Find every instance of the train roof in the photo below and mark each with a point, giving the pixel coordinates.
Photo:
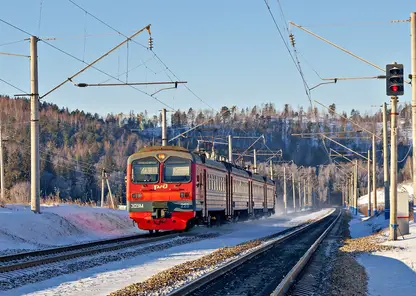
(163, 148)
(200, 158)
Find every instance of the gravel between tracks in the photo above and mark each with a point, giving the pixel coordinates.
(16, 279)
(166, 281)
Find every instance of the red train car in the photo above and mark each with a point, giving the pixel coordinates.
(170, 188)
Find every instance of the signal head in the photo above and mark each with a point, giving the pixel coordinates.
(394, 80)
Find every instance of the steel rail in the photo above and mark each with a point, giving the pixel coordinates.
(290, 278)
(50, 251)
(77, 250)
(211, 276)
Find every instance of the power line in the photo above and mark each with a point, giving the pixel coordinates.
(40, 16)
(283, 15)
(13, 42)
(17, 28)
(130, 70)
(136, 42)
(80, 60)
(104, 23)
(105, 73)
(15, 87)
(297, 65)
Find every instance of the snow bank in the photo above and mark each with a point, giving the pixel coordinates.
(403, 187)
(392, 272)
(21, 229)
(361, 225)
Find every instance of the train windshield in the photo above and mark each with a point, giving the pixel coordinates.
(177, 170)
(145, 170)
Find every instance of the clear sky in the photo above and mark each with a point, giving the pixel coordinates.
(229, 51)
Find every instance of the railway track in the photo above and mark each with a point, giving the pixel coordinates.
(20, 269)
(269, 270)
(35, 258)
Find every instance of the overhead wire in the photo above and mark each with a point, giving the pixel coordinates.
(80, 60)
(15, 87)
(138, 43)
(14, 42)
(297, 64)
(40, 16)
(130, 70)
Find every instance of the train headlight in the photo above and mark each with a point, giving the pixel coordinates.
(137, 195)
(161, 156)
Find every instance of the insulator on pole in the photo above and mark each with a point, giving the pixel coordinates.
(150, 42)
(292, 39)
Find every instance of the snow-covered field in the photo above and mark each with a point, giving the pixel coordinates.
(107, 278)
(21, 229)
(390, 272)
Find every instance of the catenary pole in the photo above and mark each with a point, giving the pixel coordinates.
(34, 127)
(294, 191)
(164, 128)
(2, 185)
(386, 165)
(284, 190)
(374, 174)
(413, 76)
(393, 171)
(369, 184)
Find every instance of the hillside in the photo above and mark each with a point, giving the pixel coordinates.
(75, 145)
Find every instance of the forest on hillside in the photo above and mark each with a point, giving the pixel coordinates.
(75, 146)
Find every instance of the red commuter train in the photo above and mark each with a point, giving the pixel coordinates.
(170, 188)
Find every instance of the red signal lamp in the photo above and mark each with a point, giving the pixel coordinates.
(394, 88)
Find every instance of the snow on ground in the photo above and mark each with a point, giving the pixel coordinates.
(403, 187)
(361, 225)
(105, 279)
(390, 272)
(21, 229)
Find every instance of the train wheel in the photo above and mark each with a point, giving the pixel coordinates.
(189, 224)
(150, 232)
(156, 231)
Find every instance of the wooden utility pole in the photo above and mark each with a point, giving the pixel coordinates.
(102, 186)
(34, 127)
(109, 190)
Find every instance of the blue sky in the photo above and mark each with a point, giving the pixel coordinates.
(229, 51)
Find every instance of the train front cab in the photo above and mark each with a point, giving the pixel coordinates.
(160, 191)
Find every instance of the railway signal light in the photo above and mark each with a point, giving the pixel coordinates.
(394, 80)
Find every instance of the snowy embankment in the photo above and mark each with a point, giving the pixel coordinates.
(21, 229)
(391, 271)
(102, 280)
(403, 187)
